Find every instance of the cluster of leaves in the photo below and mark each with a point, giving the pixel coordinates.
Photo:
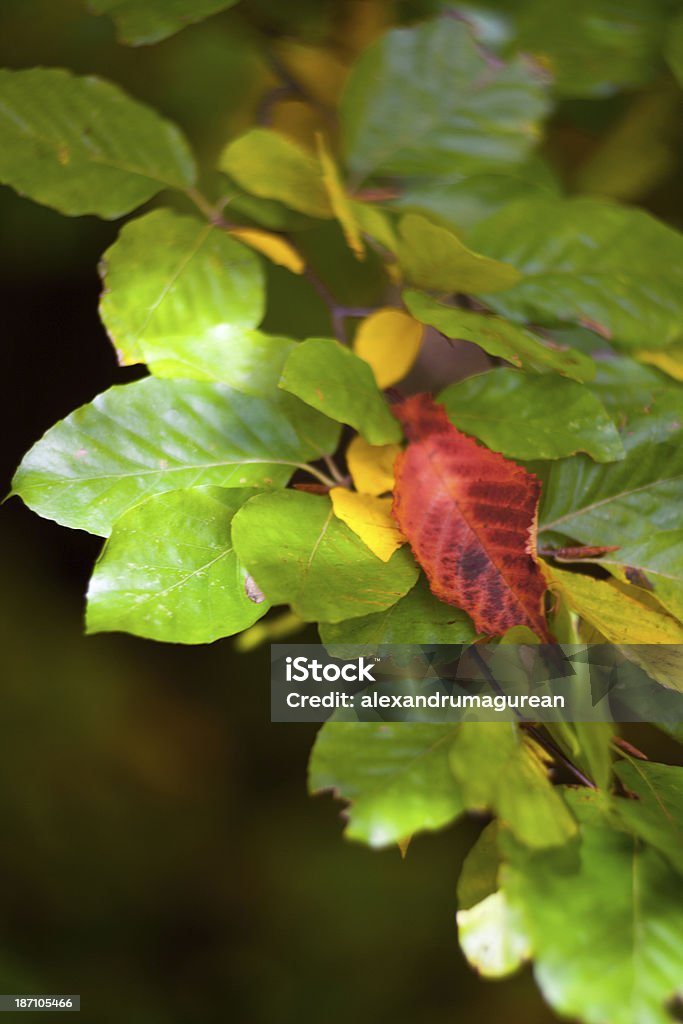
(251, 469)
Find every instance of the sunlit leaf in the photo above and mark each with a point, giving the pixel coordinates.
(300, 554)
(500, 770)
(270, 166)
(492, 938)
(177, 291)
(332, 379)
(81, 145)
(622, 962)
(169, 571)
(619, 616)
(396, 779)
(370, 519)
(153, 436)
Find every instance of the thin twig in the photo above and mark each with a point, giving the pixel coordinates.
(342, 480)
(553, 749)
(317, 473)
(540, 738)
(339, 313)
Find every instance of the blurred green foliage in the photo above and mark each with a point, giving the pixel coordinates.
(160, 854)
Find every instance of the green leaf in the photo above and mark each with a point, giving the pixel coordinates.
(153, 436)
(140, 22)
(169, 571)
(500, 338)
(592, 46)
(81, 145)
(657, 813)
(625, 502)
(594, 755)
(332, 379)
(418, 618)
(177, 292)
(463, 201)
(425, 101)
(271, 166)
(529, 417)
(500, 770)
(396, 778)
(300, 554)
(490, 931)
(492, 936)
(479, 875)
(433, 257)
(605, 920)
(589, 261)
(657, 559)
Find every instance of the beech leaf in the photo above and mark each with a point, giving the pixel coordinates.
(418, 618)
(324, 374)
(371, 465)
(434, 257)
(389, 341)
(278, 250)
(270, 166)
(470, 517)
(370, 519)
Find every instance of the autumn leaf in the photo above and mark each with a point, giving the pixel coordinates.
(339, 200)
(470, 517)
(389, 341)
(618, 611)
(277, 249)
(370, 519)
(371, 465)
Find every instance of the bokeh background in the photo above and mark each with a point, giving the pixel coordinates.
(159, 854)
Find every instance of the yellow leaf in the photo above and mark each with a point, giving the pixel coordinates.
(277, 249)
(389, 341)
(339, 200)
(371, 466)
(370, 519)
(669, 360)
(646, 636)
(608, 606)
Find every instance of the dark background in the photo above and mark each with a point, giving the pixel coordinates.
(159, 852)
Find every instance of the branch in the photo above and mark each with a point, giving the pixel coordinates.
(543, 740)
(338, 311)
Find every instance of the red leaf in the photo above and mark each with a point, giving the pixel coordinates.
(470, 517)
